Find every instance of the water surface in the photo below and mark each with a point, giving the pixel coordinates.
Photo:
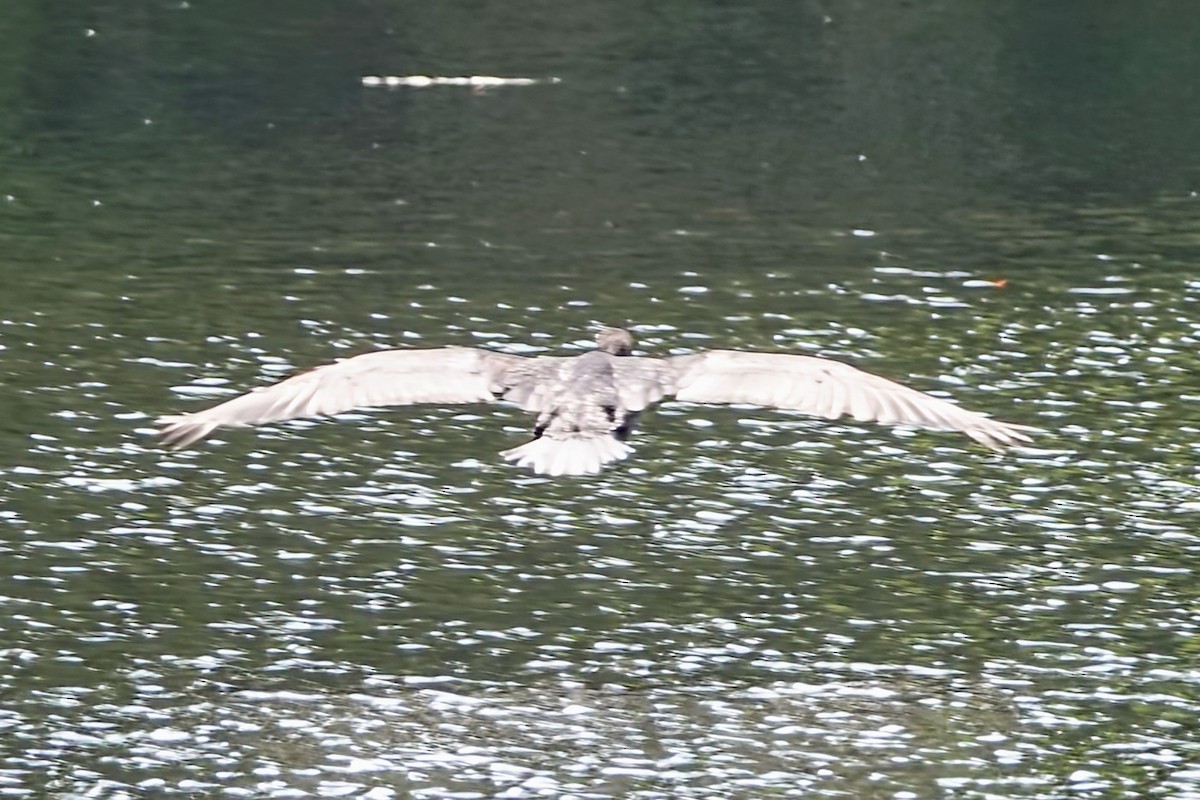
(757, 604)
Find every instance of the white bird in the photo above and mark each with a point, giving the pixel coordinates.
(587, 405)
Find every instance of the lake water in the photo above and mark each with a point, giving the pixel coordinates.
(994, 201)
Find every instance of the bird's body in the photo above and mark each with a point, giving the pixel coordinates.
(581, 423)
(586, 405)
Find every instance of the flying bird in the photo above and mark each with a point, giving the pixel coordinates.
(586, 405)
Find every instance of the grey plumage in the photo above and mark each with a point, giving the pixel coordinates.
(586, 405)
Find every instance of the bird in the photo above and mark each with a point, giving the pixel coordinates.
(587, 405)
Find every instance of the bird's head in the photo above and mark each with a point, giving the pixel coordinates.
(617, 341)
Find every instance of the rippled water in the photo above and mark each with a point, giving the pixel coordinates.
(756, 604)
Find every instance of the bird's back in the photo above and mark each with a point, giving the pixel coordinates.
(580, 420)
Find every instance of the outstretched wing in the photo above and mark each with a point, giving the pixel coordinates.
(642, 382)
(384, 378)
(825, 388)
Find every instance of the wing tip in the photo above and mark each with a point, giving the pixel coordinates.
(180, 431)
(1000, 436)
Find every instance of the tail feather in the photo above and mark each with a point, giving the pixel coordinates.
(574, 455)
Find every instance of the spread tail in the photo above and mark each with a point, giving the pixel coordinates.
(573, 455)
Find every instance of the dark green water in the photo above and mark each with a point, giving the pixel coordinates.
(196, 199)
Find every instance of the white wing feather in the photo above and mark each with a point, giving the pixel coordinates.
(825, 388)
(384, 378)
